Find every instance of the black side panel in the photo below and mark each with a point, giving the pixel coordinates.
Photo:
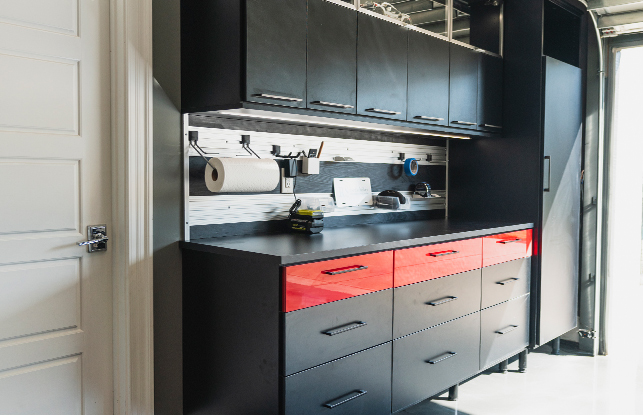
(276, 51)
(332, 57)
(210, 34)
(381, 68)
(452, 347)
(307, 340)
(230, 335)
(463, 87)
(428, 79)
(561, 203)
(365, 377)
(490, 93)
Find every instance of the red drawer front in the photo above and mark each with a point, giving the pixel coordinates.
(434, 261)
(506, 247)
(321, 282)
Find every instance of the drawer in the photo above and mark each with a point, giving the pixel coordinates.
(504, 330)
(505, 281)
(429, 303)
(359, 384)
(506, 247)
(321, 282)
(426, 363)
(329, 331)
(434, 261)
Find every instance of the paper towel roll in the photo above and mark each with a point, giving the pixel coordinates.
(242, 175)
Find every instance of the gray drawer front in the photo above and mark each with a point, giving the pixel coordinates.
(451, 297)
(322, 333)
(510, 318)
(369, 371)
(505, 281)
(415, 379)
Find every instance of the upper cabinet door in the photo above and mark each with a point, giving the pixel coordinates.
(276, 52)
(428, 79)
(381, 68)
(332, 57)
(490, 93)
(463, 87)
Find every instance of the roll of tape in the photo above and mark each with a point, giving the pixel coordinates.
(410, 167)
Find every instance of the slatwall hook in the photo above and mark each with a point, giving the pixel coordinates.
(402, 156)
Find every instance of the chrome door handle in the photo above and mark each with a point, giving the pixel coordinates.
(96, 238)
(387, 112)
(332, 104)
(278, 97)
(424, 117)
(491, 126)
(463, 122)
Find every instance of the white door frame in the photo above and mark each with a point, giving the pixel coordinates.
(131, 67)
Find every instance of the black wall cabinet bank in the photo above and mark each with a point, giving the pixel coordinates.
(490, 93)
(316, 57)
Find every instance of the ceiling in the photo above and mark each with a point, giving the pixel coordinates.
(617, 17)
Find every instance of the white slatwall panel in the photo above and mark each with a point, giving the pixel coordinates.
(226, 143)
(222, 209)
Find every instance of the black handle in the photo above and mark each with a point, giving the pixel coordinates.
(509, 241)
(441, 358)
(507, 281)
(344, 328)
(548, 169)
(343, 399)
(442, 301)
(442, 253)
(507, 329)
(344, 270)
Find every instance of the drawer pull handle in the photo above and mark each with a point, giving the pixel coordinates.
(508, 329)
(441, 358)
(507, 281)
(344, 270)
(379, 111)
(331, 104)
(509, 241)
(342, 400)
(442, 253)
(491, 126)
(424, 117)
(344, 328)
(463, 122)
(278, 97)
(442, 301)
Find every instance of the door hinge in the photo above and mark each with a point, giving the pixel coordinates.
(587, 334)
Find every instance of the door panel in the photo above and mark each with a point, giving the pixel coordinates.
(55, 180)
(490, 75)
(561, 200)
(463, 87)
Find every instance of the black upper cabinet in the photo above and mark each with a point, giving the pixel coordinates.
(463, 83)
(276, 52)
(332, 57)
(428, 83)
(490, 93)
(381, 68)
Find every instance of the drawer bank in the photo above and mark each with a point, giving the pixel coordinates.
(364, 320)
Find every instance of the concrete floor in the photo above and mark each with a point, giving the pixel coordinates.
(569, 384)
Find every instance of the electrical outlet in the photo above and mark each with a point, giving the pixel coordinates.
(287, 183)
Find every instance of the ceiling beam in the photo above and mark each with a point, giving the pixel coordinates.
(612, 20)
(599, 4)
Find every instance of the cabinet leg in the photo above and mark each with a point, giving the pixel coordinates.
(502, 367)
(453, 392)
(555, 346)
(522, 361)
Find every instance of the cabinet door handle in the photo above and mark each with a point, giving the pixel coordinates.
(424, 117)
(507, 329)
(343, 399)
(490, 126)
(345, 270)
(278, 97)
(441, 358)
(442, 301)
(383, 111)
(442, 253)
(463, 122)
(547, 170)
(331, 104)
(509, 241)
(344, 328)
(507, 281)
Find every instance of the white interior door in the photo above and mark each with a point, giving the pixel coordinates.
(55, 180)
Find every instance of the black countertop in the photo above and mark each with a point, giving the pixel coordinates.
(292, 248)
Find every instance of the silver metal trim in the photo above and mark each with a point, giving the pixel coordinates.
(278, 97)
(186, 178)
(388, 112)
(331, 104)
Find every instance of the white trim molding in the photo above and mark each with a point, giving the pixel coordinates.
(132, 83)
